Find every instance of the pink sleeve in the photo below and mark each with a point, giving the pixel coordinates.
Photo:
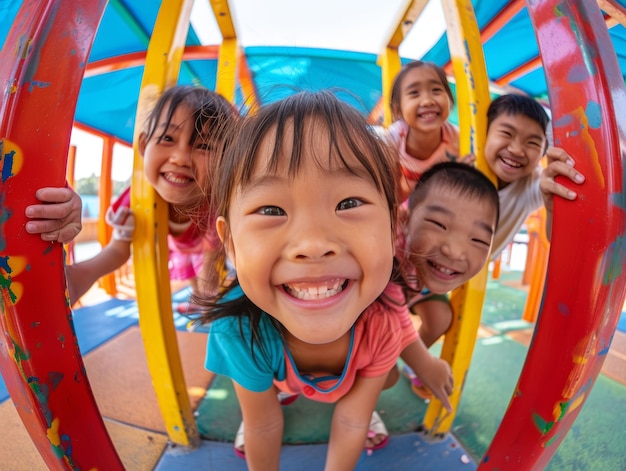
(389, 331)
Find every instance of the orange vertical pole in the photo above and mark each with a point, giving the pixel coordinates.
(105, 193)
(537, 227)
(532, 251)
(495, 274)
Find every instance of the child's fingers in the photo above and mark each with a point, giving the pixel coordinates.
(116, 218)
(550, 187)
(566, 170)
(557, 154)
(445, 401)
(49, 211)
(121, 219)
(53, 230)
(54, 195)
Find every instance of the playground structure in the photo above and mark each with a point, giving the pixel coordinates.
(585, 88)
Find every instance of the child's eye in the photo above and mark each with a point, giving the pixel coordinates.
(435, 223)
(482, 242)
(535, 144)
(166, 138)
(349, 203)
(271, 211)
(203, 146)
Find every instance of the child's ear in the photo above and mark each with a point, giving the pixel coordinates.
(143, 142)
(222, 231)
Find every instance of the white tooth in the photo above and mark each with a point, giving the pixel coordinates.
(320, 292)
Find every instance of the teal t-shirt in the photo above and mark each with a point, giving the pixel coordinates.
(229, 353)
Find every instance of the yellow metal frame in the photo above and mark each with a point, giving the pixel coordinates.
(150, 250)
(472, 87)
(389, 59)
(227, 60)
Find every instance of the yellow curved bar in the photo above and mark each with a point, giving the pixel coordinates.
(227, 60)
(150, 251)
(390, 64)
(389, 59)
(473, 99)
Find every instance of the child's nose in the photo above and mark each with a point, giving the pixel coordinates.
(515, 147)
(453, 249)
(312, 241)
(427, 98)
(180, 156)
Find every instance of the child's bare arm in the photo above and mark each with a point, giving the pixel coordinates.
(350, 423)
(263, 428)
(434, 372)
(81, 276)
(559, 164)
(58, 218)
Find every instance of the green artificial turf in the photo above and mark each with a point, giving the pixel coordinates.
(596, 441)
(305, 421)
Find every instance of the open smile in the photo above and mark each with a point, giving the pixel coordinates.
(315, 291)
(511, 163)
(442, 272)
(176, 178)
(428, 115)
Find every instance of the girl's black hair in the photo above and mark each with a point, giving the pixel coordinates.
(299, 117)
(212, 116)
(212, 113)
(396, 91)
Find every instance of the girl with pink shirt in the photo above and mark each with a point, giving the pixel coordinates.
(421, 100)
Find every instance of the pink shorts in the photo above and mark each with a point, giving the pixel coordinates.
(185, 266)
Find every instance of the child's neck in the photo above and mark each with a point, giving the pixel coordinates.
(178, 221)
(422, 145)
(178, 216)
(323, 358)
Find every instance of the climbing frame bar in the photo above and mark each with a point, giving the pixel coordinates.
(584, 295)
(150, 249)
(41, 69)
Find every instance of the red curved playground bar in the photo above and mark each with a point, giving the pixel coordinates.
(39, 354)
(586, 281)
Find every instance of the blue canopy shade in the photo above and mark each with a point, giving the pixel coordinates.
(108, 101)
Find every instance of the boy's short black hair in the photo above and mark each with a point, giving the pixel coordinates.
(512, 104)
(462, 178)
